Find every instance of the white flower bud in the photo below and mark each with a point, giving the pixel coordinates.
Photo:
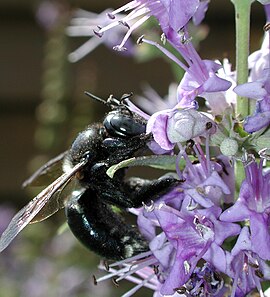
(229, 147)
(187, 124)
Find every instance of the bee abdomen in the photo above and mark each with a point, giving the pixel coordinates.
(101, 230)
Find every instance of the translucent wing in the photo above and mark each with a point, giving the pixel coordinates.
(27, 214)
(50, 169)
(58, 200)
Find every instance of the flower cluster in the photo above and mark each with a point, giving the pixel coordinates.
(210, 235)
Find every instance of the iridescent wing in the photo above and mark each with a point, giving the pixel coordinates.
(29, 212)
(51, 169)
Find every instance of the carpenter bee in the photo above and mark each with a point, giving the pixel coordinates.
(88, 205)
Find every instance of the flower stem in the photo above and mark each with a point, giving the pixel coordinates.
(242, 27)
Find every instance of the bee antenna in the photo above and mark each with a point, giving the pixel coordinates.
(96, 97)
(111, 101)
(126, 96)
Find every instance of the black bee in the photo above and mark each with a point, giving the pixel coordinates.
(88, 206)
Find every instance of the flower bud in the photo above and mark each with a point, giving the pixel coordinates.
(229, 147)
(187, 124)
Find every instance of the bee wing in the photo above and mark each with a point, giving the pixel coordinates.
(51, 168)
(27, 213)
(58, 200)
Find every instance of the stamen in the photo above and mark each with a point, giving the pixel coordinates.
(265, 153)
(189, 165)
(191, 205)
(183, 38)
(259, 273)
(149, 208)
(186, 267)
(178, 170)
(97, 33)
(140, 40)
(132, 259)
(114, 281)
(126, 7)
(94, 279)
(180, 290)
(131, 278)
(112, 274)
(156, 270)
(111, 16)
(106, 265)
(201, 157)
(137, 268)
(266, 27)
(132, 28)
(207, 153)
(167, 53)
(125, 24)
(163, 39)
(136, 288)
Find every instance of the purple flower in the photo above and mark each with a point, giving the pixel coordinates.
(170, 14)
(173, 17)
(253, 204)
(191, 235)
(258, 88)
(205, 280)
(203, 186)
(200, 79)
(85, 24)
(222, 100)
(245, 266)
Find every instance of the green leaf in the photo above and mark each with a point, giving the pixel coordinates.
(160, 162)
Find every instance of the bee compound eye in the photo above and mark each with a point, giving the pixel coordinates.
(123, 125)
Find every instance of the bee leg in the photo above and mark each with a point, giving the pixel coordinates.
(100, 229)
(144, 190)
(131, 192)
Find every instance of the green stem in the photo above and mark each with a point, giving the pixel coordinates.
(242, 26)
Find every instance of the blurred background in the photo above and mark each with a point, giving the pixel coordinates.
(43, 106)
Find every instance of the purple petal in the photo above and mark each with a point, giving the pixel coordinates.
(253, 90)
(260, 237)
(238, 212)
(215, 180)
(243, 242)
(157, 124)
(198, 81)
(180, 12)
(217, 257)
(200, 199)
(214, 83)
(163, 252)
(257, 122)
(146, 226)
(200, 12)
(177, 277)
